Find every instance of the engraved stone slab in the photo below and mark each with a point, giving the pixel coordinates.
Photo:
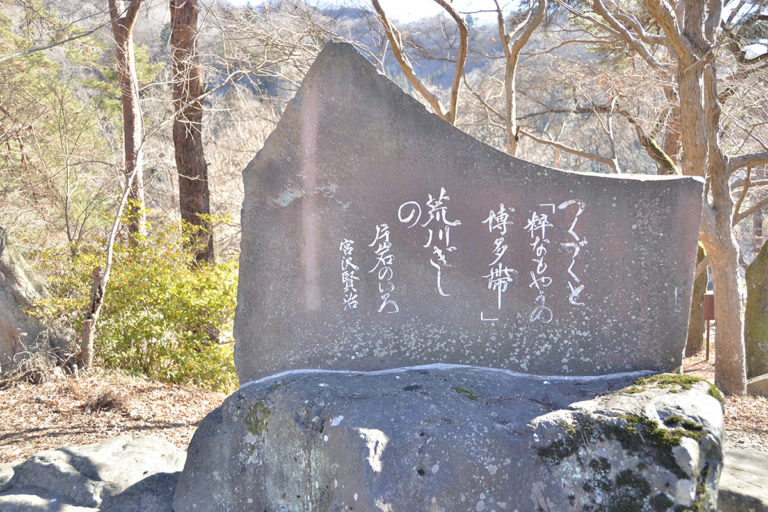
(375, 235)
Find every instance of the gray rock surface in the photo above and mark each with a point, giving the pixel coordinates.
(122, 474)
(743, 485)
(758, 386)
(6, 473)
(756, 315)
(367, 244)
(33, 503)
(444, 438)
(23, 338)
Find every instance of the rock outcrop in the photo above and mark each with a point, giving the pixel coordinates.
(444, 438)
(743, 486)
(756, 315)
(23, 338)
(118, 475)
(758, 386)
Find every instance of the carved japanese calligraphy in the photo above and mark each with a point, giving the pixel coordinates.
(375, 235)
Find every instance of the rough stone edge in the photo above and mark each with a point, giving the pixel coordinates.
(447, 366)
(758, 386)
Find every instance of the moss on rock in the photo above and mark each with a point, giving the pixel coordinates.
(675, 382)
(636, 434)
(257, 418)
(648, 442)
(466, 392)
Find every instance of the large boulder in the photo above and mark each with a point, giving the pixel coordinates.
(122, 474)
(24, 338)
(441, 438)
(756, 315)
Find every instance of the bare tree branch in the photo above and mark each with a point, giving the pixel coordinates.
(60, 42)
(666, 19)
(625, 34)
(751, 184)
(639, 30)
(756, 207)
(750, 160)
(396, 42)
(482, 101)
(743, 194)
(461, 59)
(591, 156)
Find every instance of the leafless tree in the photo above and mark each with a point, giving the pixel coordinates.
(398, 49)
(123, 21)
(194, 194)
(685, 47)
(513, 44)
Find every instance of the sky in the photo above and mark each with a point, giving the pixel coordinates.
(412, 10)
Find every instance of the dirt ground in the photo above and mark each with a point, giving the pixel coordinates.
(66, 411)
(746, 417)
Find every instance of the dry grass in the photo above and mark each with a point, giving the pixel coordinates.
(65, 411)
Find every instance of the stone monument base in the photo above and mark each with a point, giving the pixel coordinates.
(448, 438)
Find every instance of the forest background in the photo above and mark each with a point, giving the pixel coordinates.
(121, 121)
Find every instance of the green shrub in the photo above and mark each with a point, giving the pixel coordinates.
(163, 315)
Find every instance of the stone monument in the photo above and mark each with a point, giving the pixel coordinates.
(376, 235)
(396, 275)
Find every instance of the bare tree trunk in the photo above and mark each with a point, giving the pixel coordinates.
(84, 357)
(691, 39)
(194, 194)
(723, 254)
(132, 201)
(123, 20)
(722, 251)
(672, 141)
(513, 44)
(757, 219)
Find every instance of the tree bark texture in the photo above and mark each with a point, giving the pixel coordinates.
(672, 141)
(194, 193)
(84, 357)
(696, 319)
(123, 20)
(756, 316)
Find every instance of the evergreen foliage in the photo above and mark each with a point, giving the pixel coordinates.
(164, 317)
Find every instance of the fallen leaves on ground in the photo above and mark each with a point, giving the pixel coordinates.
(68, 411)
(746, 417)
